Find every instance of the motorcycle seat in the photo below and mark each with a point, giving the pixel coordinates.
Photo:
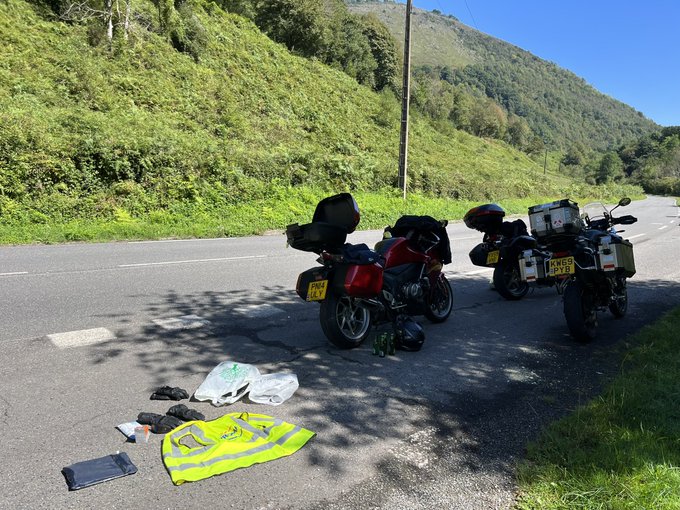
(595, 235)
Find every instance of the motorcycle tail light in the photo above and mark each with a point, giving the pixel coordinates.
(364, 280)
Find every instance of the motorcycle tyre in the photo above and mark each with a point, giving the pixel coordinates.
(436, 316)
(620, 307)
(332, 310)
(509, 289)
(575, 313)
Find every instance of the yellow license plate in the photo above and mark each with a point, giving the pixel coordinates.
(561, 266)
(317, 290)
(492, 257)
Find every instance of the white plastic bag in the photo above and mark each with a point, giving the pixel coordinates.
(273, 389)
(227, 383)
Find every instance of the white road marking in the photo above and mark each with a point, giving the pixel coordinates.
(182, 240)
(665, 226)
(81, 338)
(258, 311)
(462, 238)
(14, 274)
(672, 221)
(656, 223)
(183, 322)
(170, 262)
(636, 235)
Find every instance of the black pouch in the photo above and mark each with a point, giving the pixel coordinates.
(91, 472)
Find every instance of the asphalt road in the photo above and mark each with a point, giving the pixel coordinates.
(87, 331)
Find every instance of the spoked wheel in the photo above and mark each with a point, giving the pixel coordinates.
(619, 306)
(343, 321)
(580, 312)
(508, 282)
(439, 301)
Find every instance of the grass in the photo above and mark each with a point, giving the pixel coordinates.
(283, 207)
(622, 450)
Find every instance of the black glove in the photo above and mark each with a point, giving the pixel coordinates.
(183, 412)
(159, 423)
(168, 393)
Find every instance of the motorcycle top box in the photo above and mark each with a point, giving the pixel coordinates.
(556, 218)
(333, 219)
(486, 218)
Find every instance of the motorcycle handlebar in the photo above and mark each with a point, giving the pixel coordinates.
(624, 220)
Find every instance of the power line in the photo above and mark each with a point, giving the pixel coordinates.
(474, 22)
(473, 18)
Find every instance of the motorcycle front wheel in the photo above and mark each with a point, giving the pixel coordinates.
(580, 312)
(619, 306)
(343, 321)
(439, 301)
(508, 281)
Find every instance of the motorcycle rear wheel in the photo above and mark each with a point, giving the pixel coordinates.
(439, 301)
(343, 321)
(508, 282)
(619, 306)
(580, 312)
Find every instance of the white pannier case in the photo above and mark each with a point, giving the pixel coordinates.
(531, 267)
(615, 255)
(556, 218)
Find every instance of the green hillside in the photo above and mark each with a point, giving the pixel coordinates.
(242, 139)
(558, 105)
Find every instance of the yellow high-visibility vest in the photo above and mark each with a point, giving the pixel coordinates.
(201, 449)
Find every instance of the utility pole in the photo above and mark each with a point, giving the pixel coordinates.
(405, 101)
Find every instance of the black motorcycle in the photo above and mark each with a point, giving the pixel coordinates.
(501, 246)
(588, 257)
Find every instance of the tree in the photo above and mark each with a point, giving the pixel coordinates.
(488, 119)
(299, 24)
(349, 49)
(245, 8)
(575, 155)
(110, 13)
(518, 133)
(460, 113)
(385, 53)
(610, 168)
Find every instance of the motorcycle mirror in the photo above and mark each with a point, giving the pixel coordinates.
(622, 203)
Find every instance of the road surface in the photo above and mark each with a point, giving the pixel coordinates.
(87, 331)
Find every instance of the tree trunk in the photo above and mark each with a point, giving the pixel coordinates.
(126, 24)
(109, 20)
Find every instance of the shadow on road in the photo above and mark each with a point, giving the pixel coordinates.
(484, 384)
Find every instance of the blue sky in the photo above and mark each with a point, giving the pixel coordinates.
(627, 50)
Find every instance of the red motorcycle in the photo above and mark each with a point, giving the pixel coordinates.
(359, 287)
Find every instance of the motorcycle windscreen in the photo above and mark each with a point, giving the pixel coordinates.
(365, 280)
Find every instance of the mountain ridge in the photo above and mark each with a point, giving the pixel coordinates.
(558, 105)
